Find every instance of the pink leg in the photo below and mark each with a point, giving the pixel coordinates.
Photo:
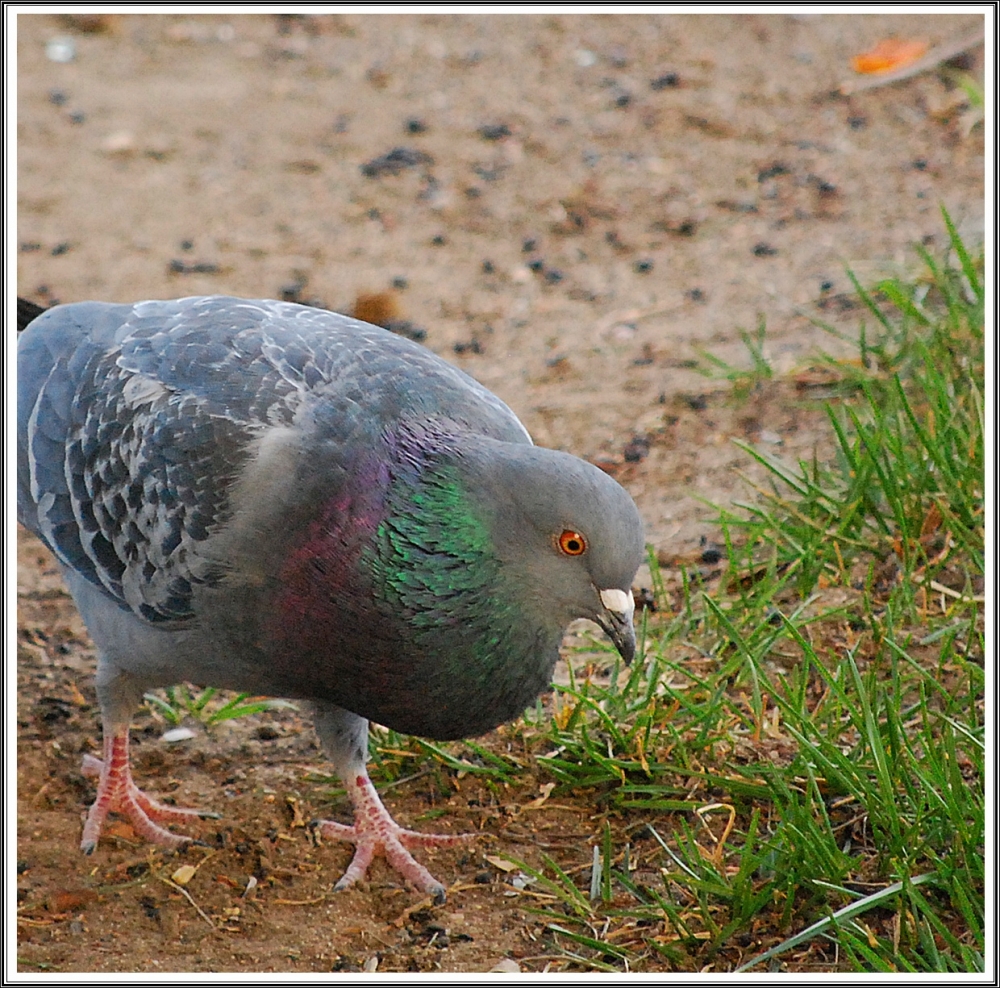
(375, 832)
(117, 792)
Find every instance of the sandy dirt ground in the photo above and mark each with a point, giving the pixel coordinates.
(573, 209)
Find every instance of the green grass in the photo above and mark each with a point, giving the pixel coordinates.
(175, 704)
(793, 778)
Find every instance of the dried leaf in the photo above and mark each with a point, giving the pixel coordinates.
(502, 863)
(888, 56)
(546, 791)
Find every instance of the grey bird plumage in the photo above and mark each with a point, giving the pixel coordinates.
(267, 497)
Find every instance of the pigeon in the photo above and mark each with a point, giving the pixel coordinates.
(278, 499)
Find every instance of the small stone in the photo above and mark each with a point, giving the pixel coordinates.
(60, 50)
(666, 81)
(120, 142)
(176, 734)
(494, 132)
(506, 966)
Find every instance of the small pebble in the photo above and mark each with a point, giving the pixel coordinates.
(60, 50)
(120, 142)
(506, 966)
(403, 327)
(646, 357)
(199, 267)
(666, 81)
(778, 168)
(292, 292)
(395, 161)
(636, 450)
(711, 554)
(177, 734)
(494, 132)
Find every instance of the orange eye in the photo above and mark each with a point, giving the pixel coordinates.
(572, 543)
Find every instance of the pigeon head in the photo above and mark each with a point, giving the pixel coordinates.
(569, 537)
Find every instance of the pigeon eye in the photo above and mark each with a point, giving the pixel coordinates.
(572, 543)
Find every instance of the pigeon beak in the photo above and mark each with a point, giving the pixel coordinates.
(616, 620)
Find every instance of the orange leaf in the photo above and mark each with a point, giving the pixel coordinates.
(889, 55)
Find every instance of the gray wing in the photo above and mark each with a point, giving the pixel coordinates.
(134, 422)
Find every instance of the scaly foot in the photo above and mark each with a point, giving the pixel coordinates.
(375, 832)
(117, 792)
